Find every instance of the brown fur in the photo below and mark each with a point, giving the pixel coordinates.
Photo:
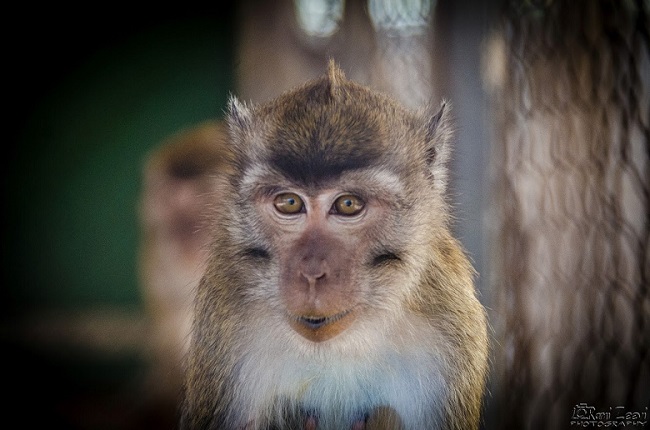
(321, 319)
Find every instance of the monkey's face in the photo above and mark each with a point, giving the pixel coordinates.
(336, 205)
(326, 248)
(333, 255)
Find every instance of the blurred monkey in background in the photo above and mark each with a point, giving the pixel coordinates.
(179, 188)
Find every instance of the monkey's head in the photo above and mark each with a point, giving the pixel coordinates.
(334, 204)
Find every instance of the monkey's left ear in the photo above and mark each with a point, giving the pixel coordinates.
(438, 135)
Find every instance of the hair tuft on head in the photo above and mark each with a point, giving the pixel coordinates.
(336, 77)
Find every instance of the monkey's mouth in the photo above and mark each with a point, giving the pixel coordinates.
(321, 328)
(315, 323)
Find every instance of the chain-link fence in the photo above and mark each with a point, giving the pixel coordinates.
(570, 87)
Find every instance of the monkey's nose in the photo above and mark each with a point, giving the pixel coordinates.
(313, 270)
(313, 277)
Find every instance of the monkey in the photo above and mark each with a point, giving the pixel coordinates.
(177, 187)
(335, 296)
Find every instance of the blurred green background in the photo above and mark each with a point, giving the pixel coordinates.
(89, 94)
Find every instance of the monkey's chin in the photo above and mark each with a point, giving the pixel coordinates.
(322, 328)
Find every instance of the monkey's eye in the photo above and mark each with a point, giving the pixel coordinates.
(288, 203)
(348, 205)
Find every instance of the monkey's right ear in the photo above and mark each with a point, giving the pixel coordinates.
(239, 115)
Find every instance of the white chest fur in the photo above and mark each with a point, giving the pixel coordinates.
(345, 378)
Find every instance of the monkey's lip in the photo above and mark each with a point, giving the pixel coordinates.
(316, 322)
(318, 328)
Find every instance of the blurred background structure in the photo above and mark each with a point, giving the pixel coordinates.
(570, 254)
(550, 187)
(89, 95)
